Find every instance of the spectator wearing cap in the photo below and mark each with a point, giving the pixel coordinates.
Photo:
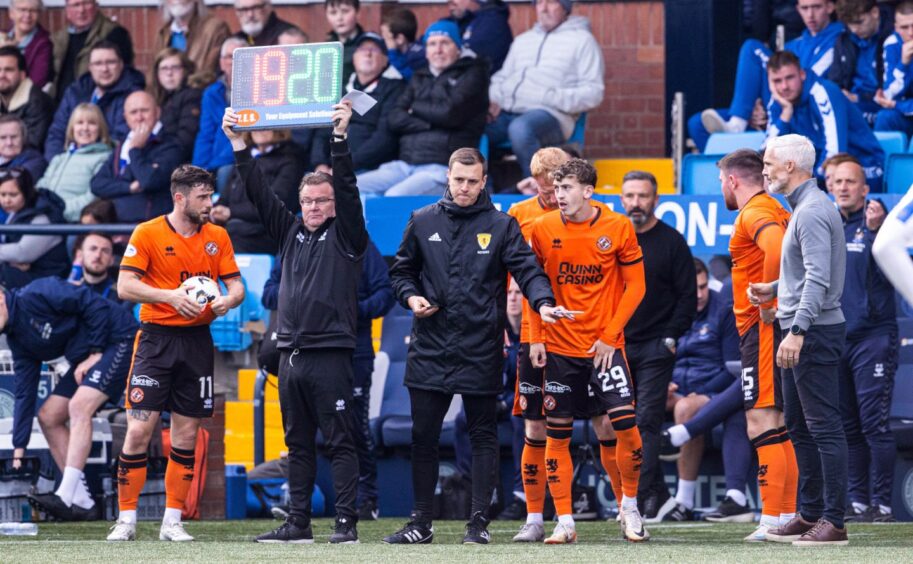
(399, 29)
(189, 29)
(21, 97)
(260, 25)
(107, 84)
(552, 74)
(484, 28)
(342, 15)
(370, 139)
(441, 110)
(31, 39)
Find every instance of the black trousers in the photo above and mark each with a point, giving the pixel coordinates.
(651, 364)
(428, 411)
(811, 407)
(315, 392)
(364, 438)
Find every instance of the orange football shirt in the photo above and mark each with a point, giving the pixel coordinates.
(755, 245)
(526, 213)
(164, 259)
(584, 263)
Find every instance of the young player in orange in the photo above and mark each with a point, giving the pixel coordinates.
(173, 354)
(528, 396)
(595, 265)
(757, 238)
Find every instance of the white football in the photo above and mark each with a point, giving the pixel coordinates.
(202, 289)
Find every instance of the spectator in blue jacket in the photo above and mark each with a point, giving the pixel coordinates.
(817, 109)
(399, 29)
(814, 48)
(375, 299)
(485, 30)
(699, 373)
(13, 149)
(870, 357)
(212, 150)
(137, 176)
(107, 85)
(858, 56)
(47, 319)
(896, 96)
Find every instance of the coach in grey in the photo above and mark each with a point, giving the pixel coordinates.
(812, 270)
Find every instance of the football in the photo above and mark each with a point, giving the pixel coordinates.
(202, 289)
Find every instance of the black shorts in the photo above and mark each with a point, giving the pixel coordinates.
(760, 375)
(172, 370)
(528, 396)
(574, 388)
(107, 375)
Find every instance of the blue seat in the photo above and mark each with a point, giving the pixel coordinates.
(899, 173)
(700, 175)
(576, 138)
(723, 143)
(892, 142)
(229, 332)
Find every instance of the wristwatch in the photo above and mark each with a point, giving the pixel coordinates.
(337, 137)
(796, 330)
(669, 342)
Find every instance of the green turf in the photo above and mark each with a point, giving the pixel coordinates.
(223, 541)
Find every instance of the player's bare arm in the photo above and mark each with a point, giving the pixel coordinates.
(233, 299)
(132, 289)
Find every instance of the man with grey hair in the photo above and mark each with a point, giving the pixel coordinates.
(812, 269)
(260, 25)
(188, 28)
(651, 336)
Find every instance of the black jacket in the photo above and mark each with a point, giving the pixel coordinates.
(370, 138)
(36, 110)
(55, 262)
(281, 170)
(436, 115)
(181, 118)
(843, 69)
(152, 167)
(318, 293)
(458, 259)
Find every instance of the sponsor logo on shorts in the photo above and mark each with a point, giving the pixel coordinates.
(523, 403)
(529, 389)
(211, 248)
(136, 395)
(879, 371)
(340, 405)
(207, 403)
(557, 388)
(95, 377)
(549, 403)
(144, 381)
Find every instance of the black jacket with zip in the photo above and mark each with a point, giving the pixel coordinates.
(458, 259)
(318, 292)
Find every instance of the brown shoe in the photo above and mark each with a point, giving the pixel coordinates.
(824, 533)
(791, 531)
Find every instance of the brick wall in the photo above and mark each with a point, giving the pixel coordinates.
(630, 121)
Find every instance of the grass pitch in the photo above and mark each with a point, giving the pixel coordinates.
(230, 541)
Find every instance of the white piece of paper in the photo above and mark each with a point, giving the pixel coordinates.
(361, 102)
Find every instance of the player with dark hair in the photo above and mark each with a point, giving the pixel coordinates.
(173, 354)
(595, 265)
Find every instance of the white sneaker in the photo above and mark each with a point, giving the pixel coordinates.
(122, 531)
(759, 534)
(174, 532)
(712, 121)
(632, 525)
(531, 532)
(562, 535)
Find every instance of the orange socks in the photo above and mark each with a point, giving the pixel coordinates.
(607, 456)
(178, 476)
(791, 483)
(131, 477)
(629, 453)
(533, 462)
(559, 466)
(772, 472)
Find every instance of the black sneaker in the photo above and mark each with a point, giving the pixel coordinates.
(289, 532)
(853, 515)
(516, 511)
(653, 503)
(679, 513)
(345, 532)
(416, 531)
(368, 511)
(667, 452)
(874, 515)
(730, 511)
(477, 530)
(56, 509)
(279, 511)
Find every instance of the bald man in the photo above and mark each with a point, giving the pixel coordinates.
(137, 175)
